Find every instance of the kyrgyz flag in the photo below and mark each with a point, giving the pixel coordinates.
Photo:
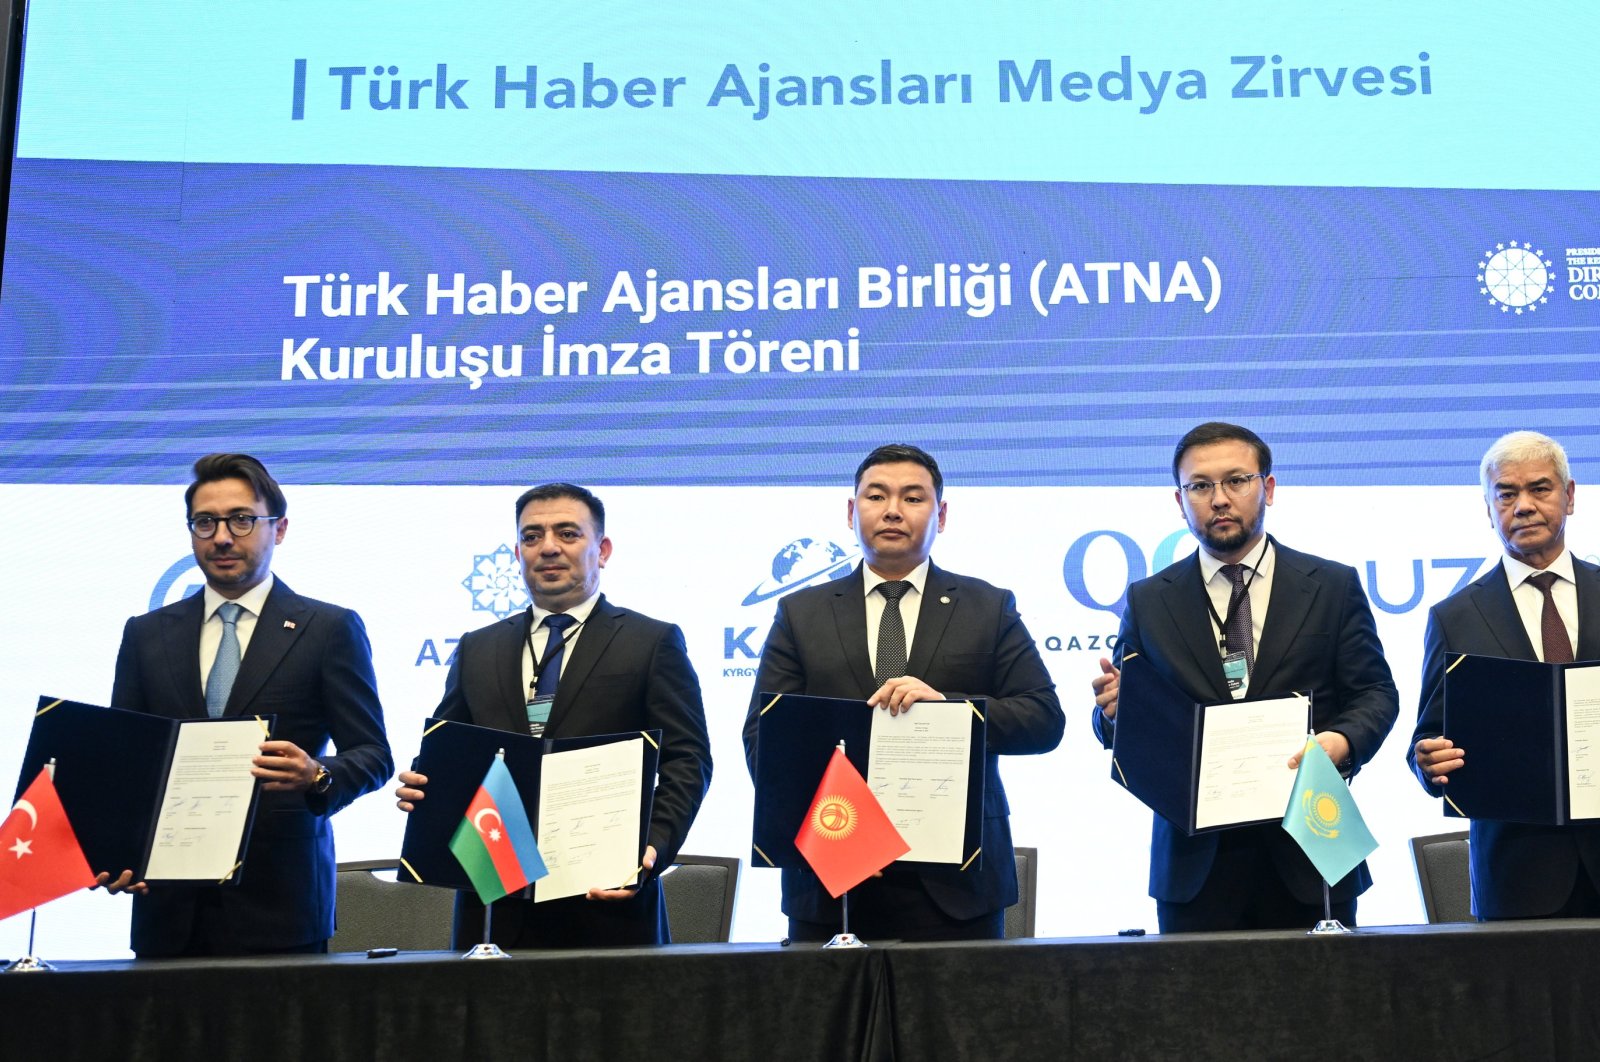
(494, 843)
(39, 854)
(847, 837)
(1323, 818)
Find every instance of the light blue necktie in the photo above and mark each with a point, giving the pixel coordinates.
(226, 666)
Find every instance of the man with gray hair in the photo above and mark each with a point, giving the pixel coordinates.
(1539, 603)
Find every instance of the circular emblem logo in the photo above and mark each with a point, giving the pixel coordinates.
(1515, 277)
(834, 818)
(1322, 813)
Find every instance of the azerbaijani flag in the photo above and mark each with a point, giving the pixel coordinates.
(494, 843)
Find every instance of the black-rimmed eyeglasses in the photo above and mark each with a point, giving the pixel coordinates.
(239, 524)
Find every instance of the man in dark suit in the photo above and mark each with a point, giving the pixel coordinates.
(248, 645)
(961, 638)
(1246, 616)
(1538, 603)
(610, 671)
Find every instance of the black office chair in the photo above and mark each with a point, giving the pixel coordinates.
(1444, 876)
(1020, 915)
(379, 912)
(700, 892)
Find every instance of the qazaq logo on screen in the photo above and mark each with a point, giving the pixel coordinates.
(1515, 277)
(496, 583)
(801, 563)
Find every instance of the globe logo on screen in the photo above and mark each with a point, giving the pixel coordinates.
(1515, 277)
(496, 583)
(801, 563)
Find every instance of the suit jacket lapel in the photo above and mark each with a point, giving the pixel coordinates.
(180, 638)
(1491, 596)
(850, 621)
(284, 618)
(1190, 613)
(505, 654)
(602, 625)
(939, 601)
(1293, 593)
(1587, 579)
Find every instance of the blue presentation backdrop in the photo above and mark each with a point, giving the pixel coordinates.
(244, 252)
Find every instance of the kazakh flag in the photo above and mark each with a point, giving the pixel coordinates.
(1323, 818)
(494, 843)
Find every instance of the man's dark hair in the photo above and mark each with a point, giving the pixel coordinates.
(896, 453)
(214, 467)
(1215, 431)
(552, 491)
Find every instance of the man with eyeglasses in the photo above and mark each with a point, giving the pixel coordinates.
(1245, 616)
(1539, 603)
(248, 645)
(575, 665)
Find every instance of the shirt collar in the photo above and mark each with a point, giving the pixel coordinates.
(1260, 559)
(579, 612)
(252, 600)
(1517, 572)
(918, 577)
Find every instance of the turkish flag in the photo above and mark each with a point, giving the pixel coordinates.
(846, 836)
(39, 854)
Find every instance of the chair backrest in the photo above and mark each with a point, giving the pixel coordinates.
(1020, 915)
(700, 892)
(379, 912)
(1444, 876)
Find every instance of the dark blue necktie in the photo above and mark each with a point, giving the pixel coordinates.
(555, 648)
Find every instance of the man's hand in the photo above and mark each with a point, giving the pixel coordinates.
(630, 893)
(899, 694)
(410, 790)
(1106, 685)
(285, 766)
(1438, 757)
(123, 883)
(1335, 744)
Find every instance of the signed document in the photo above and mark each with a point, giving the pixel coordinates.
(588, 828)
(205, 807)
(1244, 752)
(1583, 741)
(918, 770)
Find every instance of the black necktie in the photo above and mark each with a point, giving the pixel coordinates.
(891, 633)
(1552, 631)
(555, 647)
(1240, 629)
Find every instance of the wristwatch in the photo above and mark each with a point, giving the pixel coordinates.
(323, 781)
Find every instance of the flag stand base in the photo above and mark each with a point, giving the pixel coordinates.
(29, 964)
(845, 940)
(1327, 926)
(486, 951)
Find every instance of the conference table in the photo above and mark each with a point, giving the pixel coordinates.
(1504, 990)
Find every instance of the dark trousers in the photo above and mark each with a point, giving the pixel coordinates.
(1584, 902)
(897, 907)
(1245, 891)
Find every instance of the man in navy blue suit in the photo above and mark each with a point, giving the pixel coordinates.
(1539, 603)
(1245, 616)
(961, 638)
(248, 645)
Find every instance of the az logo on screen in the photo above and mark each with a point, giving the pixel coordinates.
(496, 583)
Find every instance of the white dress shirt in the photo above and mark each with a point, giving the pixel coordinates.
(1220, 589)
(541, 637)
(1529, 599)
(252, 601)
(910, 605)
